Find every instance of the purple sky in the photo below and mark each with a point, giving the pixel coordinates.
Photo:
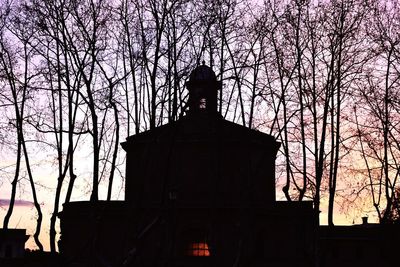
(18, 203)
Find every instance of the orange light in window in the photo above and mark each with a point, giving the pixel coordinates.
(199, 250)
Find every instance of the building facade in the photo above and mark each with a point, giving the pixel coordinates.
(12, 243)
(200, 191)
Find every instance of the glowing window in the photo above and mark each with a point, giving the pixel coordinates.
(198, 249)
(203, 103)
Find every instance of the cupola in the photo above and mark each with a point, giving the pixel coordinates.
(203, 90)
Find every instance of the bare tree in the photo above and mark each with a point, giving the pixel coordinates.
(378, 132)
(19, 86)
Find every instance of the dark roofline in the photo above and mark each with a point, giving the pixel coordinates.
(159, 131)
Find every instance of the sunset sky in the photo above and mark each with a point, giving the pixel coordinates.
(321, 77)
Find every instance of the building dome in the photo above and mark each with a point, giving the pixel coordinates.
(202, 73)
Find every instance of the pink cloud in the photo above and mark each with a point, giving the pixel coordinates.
(17, 203)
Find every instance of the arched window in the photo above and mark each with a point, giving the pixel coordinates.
(203, 103)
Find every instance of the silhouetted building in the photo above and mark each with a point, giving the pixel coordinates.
(200, 191)
(359, 245)
(214, 181)
(12, 243)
